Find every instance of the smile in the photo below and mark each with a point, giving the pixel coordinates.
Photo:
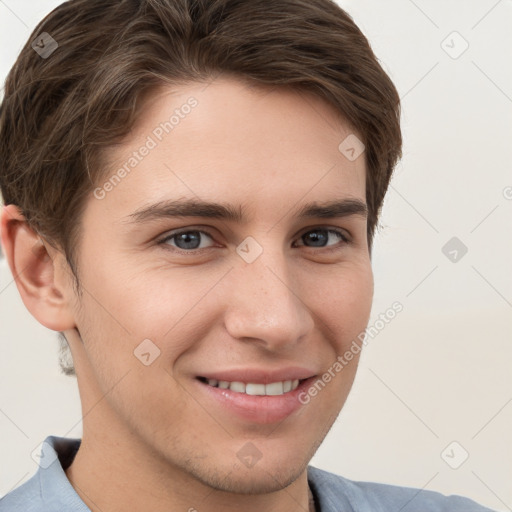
(249, 388)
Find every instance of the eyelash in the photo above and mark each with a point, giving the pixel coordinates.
(345, 239)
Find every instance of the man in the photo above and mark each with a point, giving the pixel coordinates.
(191, 194)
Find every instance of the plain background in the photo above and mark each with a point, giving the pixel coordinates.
(440, 371)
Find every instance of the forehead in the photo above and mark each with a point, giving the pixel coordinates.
(230, 142)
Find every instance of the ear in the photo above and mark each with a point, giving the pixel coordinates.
(40, 272)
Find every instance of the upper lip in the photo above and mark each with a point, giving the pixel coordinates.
(259, 375)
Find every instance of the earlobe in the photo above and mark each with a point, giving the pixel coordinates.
(39, 277)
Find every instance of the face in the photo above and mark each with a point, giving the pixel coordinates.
(263, 295)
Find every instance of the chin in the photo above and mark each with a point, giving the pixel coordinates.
(255, 480)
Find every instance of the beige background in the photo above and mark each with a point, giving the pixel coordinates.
(440, 371)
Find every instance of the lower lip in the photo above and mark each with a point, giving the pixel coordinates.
(262, 409)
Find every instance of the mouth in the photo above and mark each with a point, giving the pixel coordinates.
(254, 402)
(255, 389)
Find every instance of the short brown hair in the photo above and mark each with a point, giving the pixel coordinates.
(60, 112)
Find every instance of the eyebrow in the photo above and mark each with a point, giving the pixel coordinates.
(197, 208)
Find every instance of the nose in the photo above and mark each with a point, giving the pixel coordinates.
(265, 304)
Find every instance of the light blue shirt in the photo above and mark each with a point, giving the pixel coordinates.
(49, 490)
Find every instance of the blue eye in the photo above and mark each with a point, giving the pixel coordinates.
(320, 237)
(187, 240)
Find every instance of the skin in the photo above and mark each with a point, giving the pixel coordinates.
(151, 439)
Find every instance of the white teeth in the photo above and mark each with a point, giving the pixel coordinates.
(239, 387)
(255, 389)
(272, 389)
(275, 388)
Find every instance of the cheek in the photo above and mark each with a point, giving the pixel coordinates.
(343, 302)
(357, 299)
(123, 309)
(343, 312)
(115, 322)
